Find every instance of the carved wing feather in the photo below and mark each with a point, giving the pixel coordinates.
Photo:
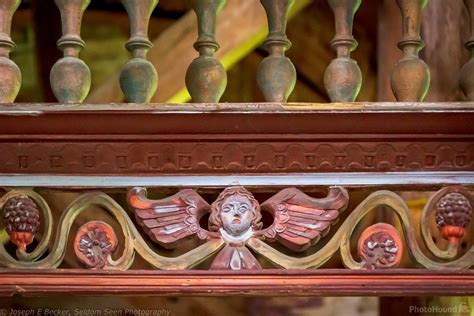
(300, 220)
(169, 220)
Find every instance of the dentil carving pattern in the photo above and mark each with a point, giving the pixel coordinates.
(216, 157)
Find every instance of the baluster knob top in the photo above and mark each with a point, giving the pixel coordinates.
(206, 77)
(10, 74)
(276, 74)
(70, 77)
(139, 78)
(411, 76)
(343, 78)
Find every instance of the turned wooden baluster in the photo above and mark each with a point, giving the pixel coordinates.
(466, 79)
(411, 76)
(276, 74)
(70, 77)
(10, 74)
(139, 79)
(343, 78)
(206, 78)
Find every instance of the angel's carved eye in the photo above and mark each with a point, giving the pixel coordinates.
(243, 208)
(226, 209)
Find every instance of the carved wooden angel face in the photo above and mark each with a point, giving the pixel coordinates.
(299, 220)
(236, 215)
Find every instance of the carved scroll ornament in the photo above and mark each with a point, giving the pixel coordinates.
(234, 237)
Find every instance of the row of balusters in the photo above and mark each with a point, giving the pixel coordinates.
(206, 78)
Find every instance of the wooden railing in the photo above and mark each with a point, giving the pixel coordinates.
(206, 78)
(253, 174)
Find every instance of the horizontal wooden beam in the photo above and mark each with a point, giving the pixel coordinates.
(404, 119)
(261, 283)
(205, 139)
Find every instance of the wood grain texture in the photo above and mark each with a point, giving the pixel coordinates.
(445, 28)
(245, 119)
(251, 283)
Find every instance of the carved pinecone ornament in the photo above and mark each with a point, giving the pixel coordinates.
(453, 216)
(21, 219)
(453, 209)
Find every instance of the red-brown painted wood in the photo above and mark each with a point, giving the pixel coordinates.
(251, 283)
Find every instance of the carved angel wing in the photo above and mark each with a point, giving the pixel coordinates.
(300, 220)
(169, 220)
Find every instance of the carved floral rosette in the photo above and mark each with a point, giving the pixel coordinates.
(95, 241)
(380, 247)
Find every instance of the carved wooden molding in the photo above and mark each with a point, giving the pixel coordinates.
(242, 138)
(235, 156)
(332, 282)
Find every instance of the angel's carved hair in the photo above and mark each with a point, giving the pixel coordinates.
(215, 222)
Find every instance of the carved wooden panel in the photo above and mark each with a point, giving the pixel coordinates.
(229, 233)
